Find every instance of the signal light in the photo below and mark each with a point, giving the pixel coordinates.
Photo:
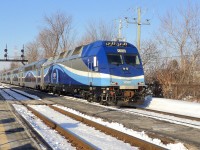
(22, 55)
(6, 52)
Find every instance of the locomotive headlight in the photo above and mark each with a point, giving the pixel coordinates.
(126, 68)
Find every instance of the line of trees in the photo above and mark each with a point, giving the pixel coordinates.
(59, 35)
(178, 35)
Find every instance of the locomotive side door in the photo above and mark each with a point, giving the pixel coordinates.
(89, 65)
(92, 65)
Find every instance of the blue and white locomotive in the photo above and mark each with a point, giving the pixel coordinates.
(109, 72)
(102, 71)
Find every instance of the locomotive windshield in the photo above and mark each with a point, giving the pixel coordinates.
(115, 59)
(132, 59)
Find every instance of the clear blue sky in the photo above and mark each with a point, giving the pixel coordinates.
(22, 19)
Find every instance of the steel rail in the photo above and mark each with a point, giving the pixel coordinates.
(21, 94)
(175, 121)
(144, 145)
(75, 140)
(8, 93)
(170, 114)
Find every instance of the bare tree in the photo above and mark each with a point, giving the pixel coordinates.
(47, 42)
(178, 32)
(32, 51)
(97, 31)
(13, 65)
(179, 35)
(148, 52)
(58, 35)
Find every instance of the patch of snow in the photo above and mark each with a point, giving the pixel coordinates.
(27, 94)
(98, 139)
(5, 95)
(172, 106)
(16, 95)
(158, 116)
(121, 128)
(54, 139)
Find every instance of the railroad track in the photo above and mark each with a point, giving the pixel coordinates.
(14, 95)
(160, 115)
(82, 143)
(77, 141)
(35, 138)
(174, 118)
(165, 116)
(171, 114)
(126, 110)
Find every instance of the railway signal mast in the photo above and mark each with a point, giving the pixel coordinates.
(22, 60)
(120, 31)
(139, 23)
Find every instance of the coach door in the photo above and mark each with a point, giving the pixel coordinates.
(20, 78)
(42, 77)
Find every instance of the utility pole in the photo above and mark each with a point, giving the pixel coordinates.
(139, 23)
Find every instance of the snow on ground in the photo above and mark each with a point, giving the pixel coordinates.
(173, 106)
(95, 137)
(55, 140)
(16, 95)
(5, 95)
(168, 118)
(121, 128)
(27, 94)
(160, 104)
(158, 116)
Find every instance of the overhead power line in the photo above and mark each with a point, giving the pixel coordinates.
(139, 23)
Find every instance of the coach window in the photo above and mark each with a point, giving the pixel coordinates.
(77, 50)
(115, 59)
(131, 59)
(68, 52)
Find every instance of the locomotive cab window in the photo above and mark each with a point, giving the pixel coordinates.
(131, 59)
(115, 59)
